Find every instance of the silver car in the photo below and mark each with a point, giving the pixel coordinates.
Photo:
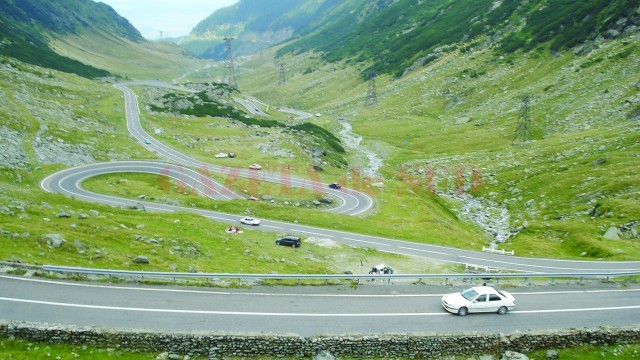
(248, 220)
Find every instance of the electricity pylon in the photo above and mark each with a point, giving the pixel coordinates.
(372, 97)
(523, 131)
(229, 76)
(282, 77)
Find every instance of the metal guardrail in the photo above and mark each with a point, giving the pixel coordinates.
(354, 277)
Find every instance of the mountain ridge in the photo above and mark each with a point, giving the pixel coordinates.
(373, 32)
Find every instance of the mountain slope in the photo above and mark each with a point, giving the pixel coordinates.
(85, 38)
(397, 36)
(443, 134)
(258, 24)
(26, 27)
(430, 29)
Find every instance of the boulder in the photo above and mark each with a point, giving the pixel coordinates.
(55, 240)
(551, 354)
(141, 259)
(612, 234)
(513, 355)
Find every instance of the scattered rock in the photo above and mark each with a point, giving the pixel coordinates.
(512, 355)
(612, 234)
(141, 259)
(551, 354)
(54, 240)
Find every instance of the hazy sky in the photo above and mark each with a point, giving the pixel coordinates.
(173, 17)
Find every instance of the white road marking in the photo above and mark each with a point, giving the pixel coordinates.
(214, 292)
(248, 313)
(367, 242)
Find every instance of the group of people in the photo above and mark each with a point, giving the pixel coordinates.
(232, 230)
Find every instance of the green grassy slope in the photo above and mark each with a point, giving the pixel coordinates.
(27, 26)
(460, 113)
(47, 112)
(430, 29)
(123, 57)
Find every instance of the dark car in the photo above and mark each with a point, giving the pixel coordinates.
(335, 186)
(292, 241)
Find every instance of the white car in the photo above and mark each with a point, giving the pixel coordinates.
(255, 167)
(479, 299)
(248, 220)
(221, 155)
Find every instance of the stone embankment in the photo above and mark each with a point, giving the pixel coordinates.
(214, 345)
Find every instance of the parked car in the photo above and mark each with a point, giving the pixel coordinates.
(221, 155)
(335, 186)
(254, 198)
(232, 155)
(255, 167)
(381, 269)
(289, 240)
(479, 299)
(248, 220)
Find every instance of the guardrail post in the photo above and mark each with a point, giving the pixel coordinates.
(630, 278)
(446, 280)
(581, 280)
(553, 281)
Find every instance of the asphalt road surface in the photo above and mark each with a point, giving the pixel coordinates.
(367, 309)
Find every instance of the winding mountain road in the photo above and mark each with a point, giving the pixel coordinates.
(352, 202)
(368, 309)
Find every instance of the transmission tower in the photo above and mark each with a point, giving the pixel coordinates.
(229, 76)
(523, 131)
(283, 79)
(372, 97)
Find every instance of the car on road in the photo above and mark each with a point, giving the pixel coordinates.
(255, 167)
(248, 220)
(289, 240)
(221, 155)
(335, 186)
(147, 141)
(479, 299)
